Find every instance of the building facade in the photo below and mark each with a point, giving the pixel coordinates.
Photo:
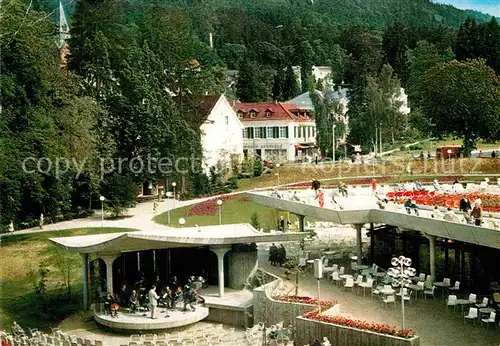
(276, 131)
(221, 132)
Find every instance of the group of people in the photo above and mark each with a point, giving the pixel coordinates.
(277, 255)
(471, 214)
(157, 295)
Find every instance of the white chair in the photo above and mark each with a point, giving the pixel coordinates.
(483, 304)
(471, 315)
(341, 271)
(452, 301)
(456, 287)
(388, 300)
(430, 292)
(447, 281)
(472, 298)
(489, 320)
(335, 278)
(359, 279)
(349, 283)
(376, 291)
(421, 277)
(365, 285)
(407, 297)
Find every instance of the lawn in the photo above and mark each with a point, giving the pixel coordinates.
(238, 209)
(21, 257)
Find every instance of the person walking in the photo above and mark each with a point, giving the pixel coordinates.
(40, 222)
(321, 198)
(153, 301)
(374, 186)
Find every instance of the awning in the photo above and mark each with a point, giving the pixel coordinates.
(304, 146)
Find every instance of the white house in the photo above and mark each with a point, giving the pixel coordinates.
(276, 131)
(221, 132)
(322, 73)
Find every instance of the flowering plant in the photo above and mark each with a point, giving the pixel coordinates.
(304, 300)
(358, 324)
(209, 207)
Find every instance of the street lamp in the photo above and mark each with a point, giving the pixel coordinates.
(174, 184)
(102, 210)
(401, 272)
(333, 143)
(182, 221)
(168, 210)
(449, 153)
(219, 203)
(278, 173)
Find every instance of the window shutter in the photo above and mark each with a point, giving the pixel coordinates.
(276, 131)
(286, 132)
(251, 133)
(263, 131)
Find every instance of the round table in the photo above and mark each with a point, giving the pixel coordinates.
(463, 302)
(417, 289)
(345, 276)
(330, 253)
(441, 285)
(387, 292)
(354, 258)
(380, 274)
(485, 311)
(361, 267)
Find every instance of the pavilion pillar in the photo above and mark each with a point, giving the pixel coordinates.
(301, 223)
(220, 252)
(109, 259)
(432, 255)
(85, 280)
(372, 244)
(359, 243)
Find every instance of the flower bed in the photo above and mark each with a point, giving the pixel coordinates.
(347, 322)
(325, 304)
(490, 202)
(357, 324)
(209, 207)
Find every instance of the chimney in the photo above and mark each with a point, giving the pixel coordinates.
(211, 41)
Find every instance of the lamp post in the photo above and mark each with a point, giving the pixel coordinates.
(174, 184)
(102, 210)
(333, 143)
(449, 153)
(219, 203)
(278, 173)
(182, 221)
(168, 210)
(401, 273)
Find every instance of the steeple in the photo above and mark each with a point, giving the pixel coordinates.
(63, 27)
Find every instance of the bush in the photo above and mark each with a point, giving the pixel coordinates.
(233, 182)
(257, 167)
(254, 221)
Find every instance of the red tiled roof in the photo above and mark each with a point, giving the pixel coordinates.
(278, 110)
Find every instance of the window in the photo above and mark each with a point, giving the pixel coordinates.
(226, 120)
(257, 131)
(252, 114)
(240, 115)
(295, 132)
(308, 131)
(268, 114)
(270, 133)
(245, 133)
(283, 132)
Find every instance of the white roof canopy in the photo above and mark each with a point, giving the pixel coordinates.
(167, 237)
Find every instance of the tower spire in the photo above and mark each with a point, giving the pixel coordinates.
(63, 26)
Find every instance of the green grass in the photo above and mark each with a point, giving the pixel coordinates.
(233, 211)
(21, 256)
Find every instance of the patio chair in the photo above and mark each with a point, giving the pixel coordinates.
(473, 298)
(349, 283)
(447, 281)
(490, 319)
(483, 304)
(390, 299)
(341, 270)
(365, 285)
(421, 277)
(456, 287)
(335, 278)
(407, 297)
(452, 301)
(471, 315)
(430, 292)
(359, 279)
(376, 291)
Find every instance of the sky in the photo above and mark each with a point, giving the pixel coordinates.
(491, 7)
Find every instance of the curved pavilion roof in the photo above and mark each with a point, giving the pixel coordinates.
(167, 237)
(462, 232)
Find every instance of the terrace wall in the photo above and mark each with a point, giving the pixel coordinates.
(241, 266)
(307, 330)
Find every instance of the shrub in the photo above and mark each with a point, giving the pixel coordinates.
(257, 167)
(254, 221)
(233, 182)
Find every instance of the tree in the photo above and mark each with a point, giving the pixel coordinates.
(290, 87)
(327, 112)
(463, 99)
(306, 63)
(249, 86)
(278, 82)
(395, 43)
(339, 60)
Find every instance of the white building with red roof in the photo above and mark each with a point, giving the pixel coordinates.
(277, 131)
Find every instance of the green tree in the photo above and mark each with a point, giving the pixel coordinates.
(463, 99)
(339, 60)
(395, 42)
(278, 82)
(306, 55)
(249, 86)
(290, 87)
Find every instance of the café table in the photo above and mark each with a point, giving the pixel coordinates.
(463, 302)
(485, 311)
(362, 267)
(345, 276)
(417, 289)
(441, 286)
(387, 291)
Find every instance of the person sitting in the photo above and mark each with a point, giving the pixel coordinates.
(178, 297)
(169, 298)
(466, 208)
(435, 185)
(450, 216)
(343, 189)
(275, 194)
(477, 213)
(133, 302)
(326, 342)
(294, 197)
(316, 343)
(109, 300)
(418, 185)
(382, 203)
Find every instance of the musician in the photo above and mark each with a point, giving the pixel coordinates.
(189, 297)
(174, 283)
(133, 301)
(153, 301)
(178, 296)
(109, 300)
(169, 298)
